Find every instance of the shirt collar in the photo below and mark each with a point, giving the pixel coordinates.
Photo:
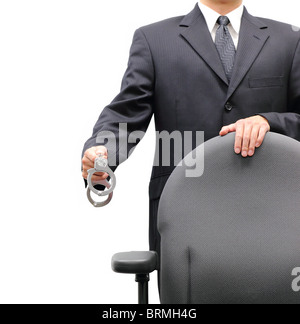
(212, 16)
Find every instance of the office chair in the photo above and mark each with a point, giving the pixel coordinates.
(231, 236)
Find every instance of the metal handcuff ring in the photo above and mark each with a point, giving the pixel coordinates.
(101, 165)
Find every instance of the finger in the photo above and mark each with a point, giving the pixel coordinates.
(96, 178)
(101, 150)
(246, 138)
(253, 140)
(90, 154)
(84, 174)
(239, 137)
(86, 163)
(103, 175)
(262, 133)
(227, 129)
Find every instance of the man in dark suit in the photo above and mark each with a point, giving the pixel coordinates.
(217, 70)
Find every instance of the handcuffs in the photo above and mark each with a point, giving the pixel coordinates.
(101, 165)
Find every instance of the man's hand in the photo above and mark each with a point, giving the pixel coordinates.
(250, 133)
(88, 163)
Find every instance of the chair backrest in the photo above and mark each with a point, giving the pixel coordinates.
(233, 234)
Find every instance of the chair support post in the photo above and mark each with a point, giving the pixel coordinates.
(142, 280)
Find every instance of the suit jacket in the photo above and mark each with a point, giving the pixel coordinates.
(175, 73)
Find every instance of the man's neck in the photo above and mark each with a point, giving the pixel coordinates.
(223, 7)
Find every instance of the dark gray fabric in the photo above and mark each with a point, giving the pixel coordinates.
(233, 235)
(175, 73)
(225, 46)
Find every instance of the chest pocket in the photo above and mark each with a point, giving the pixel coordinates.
(266, 82)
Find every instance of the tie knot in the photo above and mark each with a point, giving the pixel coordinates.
(223, 20)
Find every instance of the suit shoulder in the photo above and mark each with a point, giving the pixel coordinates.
(281, 27)
(162, 25)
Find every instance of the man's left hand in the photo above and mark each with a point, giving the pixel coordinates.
(250, 133)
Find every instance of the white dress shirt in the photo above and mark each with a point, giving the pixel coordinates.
(234, 26)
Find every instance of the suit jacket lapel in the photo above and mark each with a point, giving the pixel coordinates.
(253, 37)
(196, 33)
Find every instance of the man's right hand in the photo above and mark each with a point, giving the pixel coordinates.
(88, 163)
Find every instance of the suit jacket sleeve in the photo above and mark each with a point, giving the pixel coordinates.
(288, 123)
(133, 106)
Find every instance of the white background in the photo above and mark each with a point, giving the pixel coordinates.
(61, 62)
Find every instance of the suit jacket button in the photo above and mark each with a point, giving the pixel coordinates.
(228, 106)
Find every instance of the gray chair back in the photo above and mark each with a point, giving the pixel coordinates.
(232, 236)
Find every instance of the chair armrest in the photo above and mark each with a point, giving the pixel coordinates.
(143, 262)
